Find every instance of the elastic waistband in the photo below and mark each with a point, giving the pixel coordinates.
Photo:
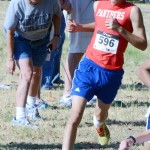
(100, 67)
(35, 41)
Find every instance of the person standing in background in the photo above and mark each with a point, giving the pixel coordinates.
(51, 66)
(27, 26)
(82, 13)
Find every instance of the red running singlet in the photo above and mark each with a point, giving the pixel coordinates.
(107, 46)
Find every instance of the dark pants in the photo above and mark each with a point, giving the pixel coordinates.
(51, 68)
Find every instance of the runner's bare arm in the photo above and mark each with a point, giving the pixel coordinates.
(142, 137)
(138, 37)
(72, 26)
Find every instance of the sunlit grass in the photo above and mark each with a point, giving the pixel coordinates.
(122, 121)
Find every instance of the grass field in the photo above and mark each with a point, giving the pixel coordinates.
(123, 120)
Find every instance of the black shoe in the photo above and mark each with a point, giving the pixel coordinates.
(59, 81)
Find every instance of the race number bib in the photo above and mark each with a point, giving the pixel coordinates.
(106, 42)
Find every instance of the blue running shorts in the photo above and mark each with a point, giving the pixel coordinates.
(90, 79)
(148, 120)
(37, 50)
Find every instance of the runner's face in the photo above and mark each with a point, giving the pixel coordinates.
(117, 1)
(34, 2)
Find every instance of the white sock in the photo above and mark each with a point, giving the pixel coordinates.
(20, 112)
(96, 123)
(31, 101)
(66, 96)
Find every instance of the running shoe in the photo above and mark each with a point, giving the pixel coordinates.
(58, 81)
(92, 102)
(23, 122)
(66, 101)
(41, 104)
(47, 86)
(103, 134)
(33, 113)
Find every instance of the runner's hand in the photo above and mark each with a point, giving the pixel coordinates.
(72, 26)
(112, 24)
(126, 144)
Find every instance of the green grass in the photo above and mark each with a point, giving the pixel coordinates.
(123, 120)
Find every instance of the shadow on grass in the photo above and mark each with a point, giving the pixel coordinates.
(120, 123)
(135, 86)
(133, 123)
(137, 103)
(82, 145)
(95, 146)
(118, 103)
(30, 146)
